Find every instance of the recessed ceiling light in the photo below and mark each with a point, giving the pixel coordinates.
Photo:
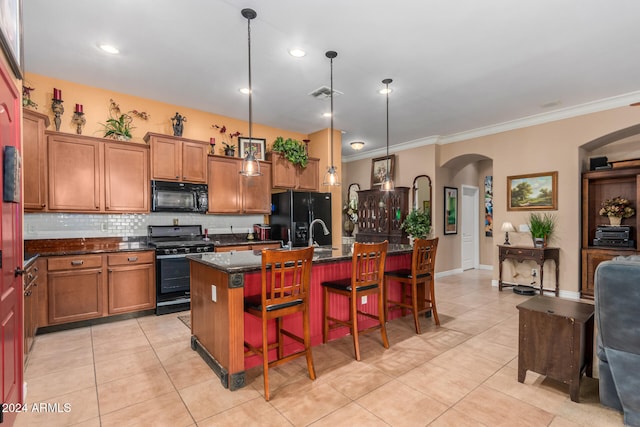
(109, 49)
(297, 52)
(326, 114)
(385, 91)
(245, 90)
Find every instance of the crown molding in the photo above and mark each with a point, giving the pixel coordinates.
(537, 119)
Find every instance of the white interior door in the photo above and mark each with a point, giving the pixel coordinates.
(469, 226)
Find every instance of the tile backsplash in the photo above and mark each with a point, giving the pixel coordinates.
(67, 225)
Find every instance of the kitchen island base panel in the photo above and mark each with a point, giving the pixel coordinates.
(233, 382)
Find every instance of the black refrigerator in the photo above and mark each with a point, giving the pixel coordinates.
(293, 211)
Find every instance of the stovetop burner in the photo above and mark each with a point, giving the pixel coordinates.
(180, 243)
(176, 239)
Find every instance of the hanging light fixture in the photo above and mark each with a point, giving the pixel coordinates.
(387, 183)
(331, 177)
(250, 165)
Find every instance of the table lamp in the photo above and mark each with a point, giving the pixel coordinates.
(507, 227)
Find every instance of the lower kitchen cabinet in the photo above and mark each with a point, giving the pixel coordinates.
(249, 246)
(31, 294)
(131, 282)
(77, 289)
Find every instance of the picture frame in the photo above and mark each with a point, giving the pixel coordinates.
(537, 191)
(11, 34)
(379, 169)
(258, 145)
(450, 210)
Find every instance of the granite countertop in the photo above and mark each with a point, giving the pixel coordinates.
(249, 261)
(29, 258)
(54, 247)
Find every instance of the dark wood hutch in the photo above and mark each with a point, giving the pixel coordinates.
(380, 215)
(598, 186)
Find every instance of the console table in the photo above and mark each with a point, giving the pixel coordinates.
(556, 340)
(539, 255)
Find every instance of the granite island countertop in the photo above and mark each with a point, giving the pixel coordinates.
(251, 261)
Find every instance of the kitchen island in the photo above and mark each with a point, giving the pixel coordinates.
(219, 283)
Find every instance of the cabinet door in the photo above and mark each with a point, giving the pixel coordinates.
(194, 162)
(256, 191)
(309, 177)
(74, 174)
(224, 185)
(591, 258)
(74, 295)
(126, 178)
(131, 288)
(283, 173)
(166, 159)
(34, 161)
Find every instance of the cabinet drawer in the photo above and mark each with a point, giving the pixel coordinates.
(529, 253)
(130, 258)
(231, 248)
(74, 262)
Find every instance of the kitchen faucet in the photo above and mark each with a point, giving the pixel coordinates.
(324, 229)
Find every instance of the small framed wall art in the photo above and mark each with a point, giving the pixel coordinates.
(256, 145)
(379, 168)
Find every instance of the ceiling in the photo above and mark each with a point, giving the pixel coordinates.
(457, 65)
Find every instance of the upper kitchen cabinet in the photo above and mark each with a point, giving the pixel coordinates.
(88, 174)
(126, 177)
(230, 192)
(177, 159)
(34, 152)
(285, 175)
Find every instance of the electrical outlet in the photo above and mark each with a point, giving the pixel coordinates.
(534, 272)
(363, 299)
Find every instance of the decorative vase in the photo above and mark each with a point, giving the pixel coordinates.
(230, 153)
(615, 220)
(355, 230)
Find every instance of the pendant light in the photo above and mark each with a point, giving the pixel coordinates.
(250, 165)
(387, 183)
(331, 177)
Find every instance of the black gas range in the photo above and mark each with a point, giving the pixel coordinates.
(173, 244)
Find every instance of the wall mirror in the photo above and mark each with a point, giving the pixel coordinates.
(421, 194)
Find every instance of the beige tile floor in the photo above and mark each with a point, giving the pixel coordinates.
(142, 372)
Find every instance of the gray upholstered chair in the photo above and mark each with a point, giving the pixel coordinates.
(617, 298)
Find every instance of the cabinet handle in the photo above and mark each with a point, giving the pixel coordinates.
(35, 269)
(43, 205)
(110, 270)
(132, 259)
(77, 262)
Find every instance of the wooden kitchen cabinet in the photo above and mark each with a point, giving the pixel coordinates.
(74, 171)
(34, 153)
(95, 175)
(249, 246)
(177, 159)
(131, 281)
(75, 288)
(230, 192)
(126, 177)
(31, 304)
(285, 175)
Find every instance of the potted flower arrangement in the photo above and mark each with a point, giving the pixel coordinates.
(350, 209)
(229, 148)
(417, 224)
(616, 209)
(118, 125)
(541, 227)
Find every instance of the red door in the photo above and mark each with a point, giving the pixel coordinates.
(11, 298)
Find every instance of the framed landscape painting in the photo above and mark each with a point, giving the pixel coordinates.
(538, 191)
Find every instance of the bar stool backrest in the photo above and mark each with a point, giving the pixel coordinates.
(285, 277)
(368, 264)
(424, 256)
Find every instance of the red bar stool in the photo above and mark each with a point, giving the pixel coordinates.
(417, 299)
(286, 276)
(367, 278)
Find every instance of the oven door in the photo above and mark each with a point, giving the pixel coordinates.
(172, 276)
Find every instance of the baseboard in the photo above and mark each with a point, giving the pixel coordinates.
(449, 273)
(485, 267)
(563, 294)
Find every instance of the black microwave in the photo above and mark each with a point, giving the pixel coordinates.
(169, 196)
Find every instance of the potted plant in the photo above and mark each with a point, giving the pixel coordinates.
(118, 125)
(417, 224)
(541, 227)
(229, 150)
(292, 150)
(616, 209)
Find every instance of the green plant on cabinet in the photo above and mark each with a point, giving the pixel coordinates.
(541, 226)
(417, 224)
(292, 150)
